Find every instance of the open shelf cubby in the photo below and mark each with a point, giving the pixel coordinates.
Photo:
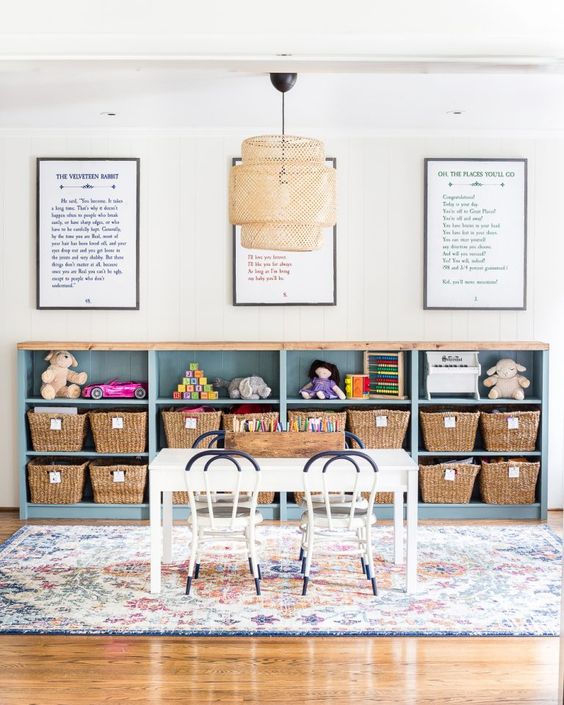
(284, 366)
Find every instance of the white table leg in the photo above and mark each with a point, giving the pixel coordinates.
(412, 498)
(167, 527)
(398, 528)
(155, 530)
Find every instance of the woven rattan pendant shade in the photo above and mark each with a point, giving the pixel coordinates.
(283, 193)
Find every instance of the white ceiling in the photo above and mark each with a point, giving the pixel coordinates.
(363, 64)
(176, 94)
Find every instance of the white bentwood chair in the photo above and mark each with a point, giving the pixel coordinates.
(348, 522)
(238, 474)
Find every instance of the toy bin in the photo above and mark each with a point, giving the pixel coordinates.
(56, 481)
(512, 482)
(183, 427)
(379, 428)
(447, 483)
(510, 431)
(119, 431)
(449, 430)
(57, 432)
(118, 483)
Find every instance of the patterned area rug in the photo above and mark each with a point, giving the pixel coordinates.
(473, 580)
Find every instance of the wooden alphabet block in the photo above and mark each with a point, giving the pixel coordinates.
(176, 395)
(194, 366)
(203, 380)
(203, 395)
(186, 395)
(195, 395)
(198, 388)
(198, 373)
(181, 388)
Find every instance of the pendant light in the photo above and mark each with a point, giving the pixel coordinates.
(283, 193)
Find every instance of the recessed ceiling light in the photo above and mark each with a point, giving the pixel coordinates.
(455, 112)
(106, 114)
(283, 54)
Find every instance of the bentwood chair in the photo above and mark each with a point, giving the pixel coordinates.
(232, 519)
(213, 438)
(329, 522)
(336, 497)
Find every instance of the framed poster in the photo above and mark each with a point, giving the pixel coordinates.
(87, 233)
(281, 278)
(475, 234)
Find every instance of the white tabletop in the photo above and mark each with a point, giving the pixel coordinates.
(284, 474)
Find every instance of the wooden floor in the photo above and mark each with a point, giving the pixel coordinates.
(56, 670)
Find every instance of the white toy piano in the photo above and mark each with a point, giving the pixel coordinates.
(453, 373)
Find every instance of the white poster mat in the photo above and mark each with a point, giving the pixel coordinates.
(87, 220)
(275, 277)
(475, 233)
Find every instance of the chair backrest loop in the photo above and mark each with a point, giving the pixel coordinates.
(355, 459)
(236, 460)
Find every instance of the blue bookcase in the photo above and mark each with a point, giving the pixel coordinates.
(284, 366)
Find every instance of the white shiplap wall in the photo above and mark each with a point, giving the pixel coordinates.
(183, 205)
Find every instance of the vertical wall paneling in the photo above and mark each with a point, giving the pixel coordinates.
(186, 253)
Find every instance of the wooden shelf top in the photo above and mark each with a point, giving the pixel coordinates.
(298, 345)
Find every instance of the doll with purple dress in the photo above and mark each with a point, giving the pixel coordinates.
(324, 382)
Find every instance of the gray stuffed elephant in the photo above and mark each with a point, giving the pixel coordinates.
(244, 387)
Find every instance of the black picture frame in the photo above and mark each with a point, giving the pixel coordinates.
(470, 160)
(105, 160)
(333, 162)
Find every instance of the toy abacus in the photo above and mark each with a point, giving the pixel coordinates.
(386, 374)
(195, 385)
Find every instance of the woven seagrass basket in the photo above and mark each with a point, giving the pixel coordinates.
(267, 418)
(511, 482)
(389, 432)
(437, 489)
(176, 431)
(438, 435)
(178, 436)
(70, 488)
(499, 432)
(126, 436)
(70, 436)
(107, 491)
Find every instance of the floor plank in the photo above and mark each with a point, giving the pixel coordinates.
(58, 670)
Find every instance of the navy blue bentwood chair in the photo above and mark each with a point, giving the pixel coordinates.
(328, 522)
(214, 438)
(237, 473)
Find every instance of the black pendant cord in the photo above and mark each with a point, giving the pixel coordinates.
(282, 174)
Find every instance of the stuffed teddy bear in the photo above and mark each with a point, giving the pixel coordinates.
(244, 387)
(324, 382)
(57, 375)
(504, 380)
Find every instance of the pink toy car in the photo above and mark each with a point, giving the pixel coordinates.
(114, 389)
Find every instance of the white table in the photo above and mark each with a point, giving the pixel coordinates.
(398, 473)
